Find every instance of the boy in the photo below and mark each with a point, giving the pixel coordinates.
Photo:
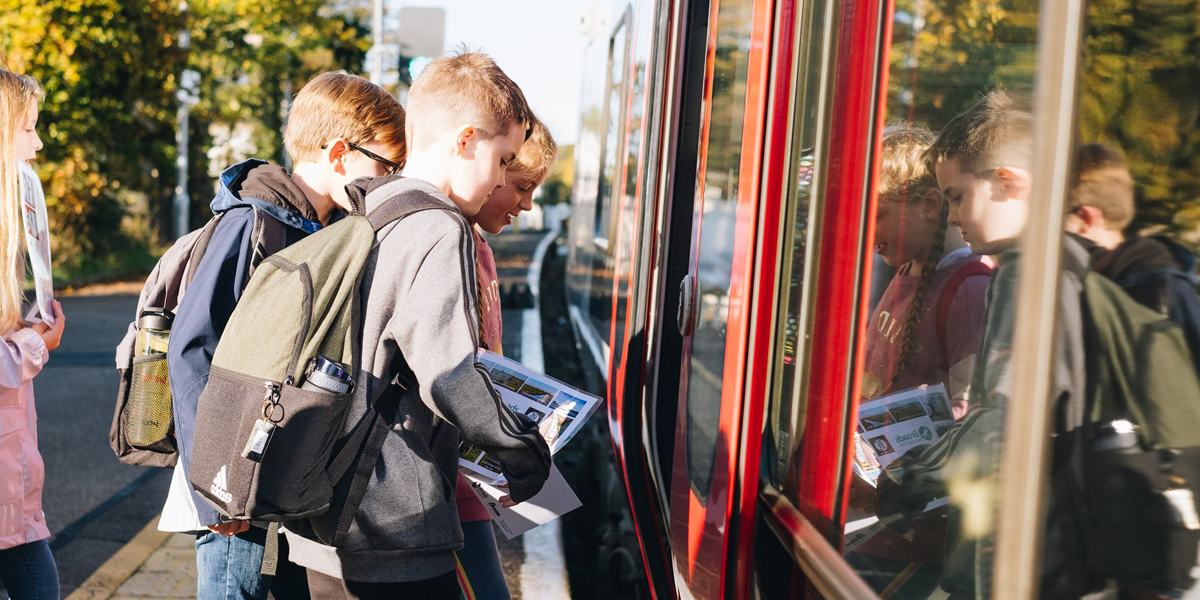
(1154, 270)
(466, 122)
(982, 162)
(340, 128)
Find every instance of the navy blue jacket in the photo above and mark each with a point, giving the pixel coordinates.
(218, 283)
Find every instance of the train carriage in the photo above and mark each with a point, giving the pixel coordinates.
(721, 266)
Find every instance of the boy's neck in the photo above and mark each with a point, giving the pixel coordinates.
(427, 168)
(322, 203)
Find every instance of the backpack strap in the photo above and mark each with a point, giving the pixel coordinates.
(403, 205)
(364, 445)
(269, 236)
(970, 269)
(198, 250)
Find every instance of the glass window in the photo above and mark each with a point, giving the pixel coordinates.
(614, 114)
(937, 354)
(786, 419)
(716, 199)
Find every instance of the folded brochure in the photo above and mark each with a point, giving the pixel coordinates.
(37, 241)
(555, 500)
(891, 425)
(560, 410)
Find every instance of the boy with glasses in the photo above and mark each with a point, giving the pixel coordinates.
(340, 128)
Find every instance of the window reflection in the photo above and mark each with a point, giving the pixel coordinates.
(718, 200)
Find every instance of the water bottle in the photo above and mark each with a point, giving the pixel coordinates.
(325, 375)
(154, 331)
(148, 413)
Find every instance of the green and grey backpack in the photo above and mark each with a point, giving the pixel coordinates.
(264, 448)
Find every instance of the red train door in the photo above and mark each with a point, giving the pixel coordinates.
(714, 294)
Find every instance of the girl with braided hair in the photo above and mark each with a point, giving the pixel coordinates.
(924, 330)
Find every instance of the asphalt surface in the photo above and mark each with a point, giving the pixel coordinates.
(93, 503)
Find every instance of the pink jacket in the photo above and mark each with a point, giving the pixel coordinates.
(22, 356)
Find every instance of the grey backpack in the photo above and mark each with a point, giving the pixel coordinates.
(164, 288)
(264, 448)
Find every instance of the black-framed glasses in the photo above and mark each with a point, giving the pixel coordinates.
(393, 168)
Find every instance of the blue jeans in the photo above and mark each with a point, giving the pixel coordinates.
(229, 568)
(29, 572)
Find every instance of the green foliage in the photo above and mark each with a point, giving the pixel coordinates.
(111, 69)
(1141, 64)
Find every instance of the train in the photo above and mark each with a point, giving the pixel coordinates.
(721, 272)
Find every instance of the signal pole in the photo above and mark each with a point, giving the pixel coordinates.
(377, 62)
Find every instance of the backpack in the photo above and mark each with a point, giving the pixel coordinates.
(975, 267)
(1132, 471)
(164, 288)
(264, 448)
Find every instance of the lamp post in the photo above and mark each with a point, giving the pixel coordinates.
(186, 94)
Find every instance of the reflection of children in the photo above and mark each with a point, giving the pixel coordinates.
(26, 566)
(924, 330)
(479, 561)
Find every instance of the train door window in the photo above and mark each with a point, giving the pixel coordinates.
(614, 116)
(931, 349)
(716, 199)
(786, 412)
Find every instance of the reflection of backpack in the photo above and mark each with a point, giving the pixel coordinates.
(265, 448)
(164, 288)
(1134, 503)
(975, 267)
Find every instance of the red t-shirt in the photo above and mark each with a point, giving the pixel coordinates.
(469, 507)
(928, 364)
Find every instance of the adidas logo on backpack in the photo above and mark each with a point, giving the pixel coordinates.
(218, 487)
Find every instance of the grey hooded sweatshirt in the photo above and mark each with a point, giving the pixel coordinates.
(419, 299)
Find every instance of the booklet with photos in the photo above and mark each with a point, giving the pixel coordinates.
(560, 410)
(891, 425)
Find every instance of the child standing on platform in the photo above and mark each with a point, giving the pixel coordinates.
(26, 566)
(479, 569)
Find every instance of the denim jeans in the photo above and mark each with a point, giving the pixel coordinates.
(29, 572)
(229, 568)
(480, 563)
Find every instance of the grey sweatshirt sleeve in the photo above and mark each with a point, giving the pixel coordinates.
(435, 325)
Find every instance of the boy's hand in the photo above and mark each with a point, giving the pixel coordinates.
(507, 502)
(230, 529)
(52, 335)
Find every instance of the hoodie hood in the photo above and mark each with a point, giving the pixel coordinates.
(1144, 256)
(257, 183)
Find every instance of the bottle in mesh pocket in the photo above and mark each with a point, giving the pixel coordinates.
(148, 413)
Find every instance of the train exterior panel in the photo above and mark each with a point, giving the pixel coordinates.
(723, 266)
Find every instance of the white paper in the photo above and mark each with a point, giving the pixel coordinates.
(892, 425)
(555, 500)
(559, 409)
(37, 241)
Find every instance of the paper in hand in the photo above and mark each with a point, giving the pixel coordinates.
(37, 241)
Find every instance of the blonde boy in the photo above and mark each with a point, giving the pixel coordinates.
(466, 123)
(341, 127)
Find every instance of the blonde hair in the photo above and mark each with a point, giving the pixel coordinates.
(464, 89)
(17, 94)
(340, 105)
(905, 177)
(538, 154)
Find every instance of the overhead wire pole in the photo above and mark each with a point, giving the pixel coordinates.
(186, 95)
(377, 62)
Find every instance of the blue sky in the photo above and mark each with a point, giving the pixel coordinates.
(539, 44)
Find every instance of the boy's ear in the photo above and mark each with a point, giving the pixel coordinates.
(1014, 182)
(335, 154)
(464, 138)
(931, 202)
